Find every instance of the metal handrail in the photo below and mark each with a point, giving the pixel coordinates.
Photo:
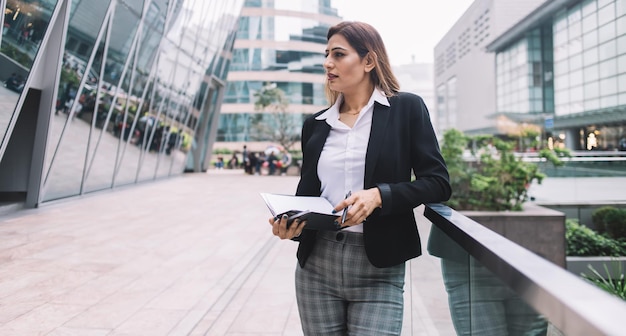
(571, 304)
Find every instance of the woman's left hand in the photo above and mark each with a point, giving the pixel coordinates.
(280, 229)
(360, 205)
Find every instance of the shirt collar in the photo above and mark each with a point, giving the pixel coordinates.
(333, 112)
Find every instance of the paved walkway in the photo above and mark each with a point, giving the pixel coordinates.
(191, 255)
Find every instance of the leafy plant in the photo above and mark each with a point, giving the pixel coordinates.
(583, 241)
(598, 217)
(616, 287)
(222, 151)
(491, 178)
(19, 56)
(488, 175)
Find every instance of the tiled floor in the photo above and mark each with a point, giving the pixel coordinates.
(191, 255)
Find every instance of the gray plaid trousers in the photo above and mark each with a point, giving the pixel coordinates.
(339, 292)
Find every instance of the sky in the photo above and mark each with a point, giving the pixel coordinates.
(409, 28)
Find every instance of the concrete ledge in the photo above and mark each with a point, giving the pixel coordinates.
(582, 210)
(537, 228)
(616, 266)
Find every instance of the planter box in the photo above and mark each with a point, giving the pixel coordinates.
(537, 228)
(580, 265)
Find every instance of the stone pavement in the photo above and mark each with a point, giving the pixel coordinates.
(190, 255)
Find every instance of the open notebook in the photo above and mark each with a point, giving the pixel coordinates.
(317, 211)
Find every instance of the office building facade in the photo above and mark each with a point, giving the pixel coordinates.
(99, 94)
(465, 78)
(282, 43)
(569, 59)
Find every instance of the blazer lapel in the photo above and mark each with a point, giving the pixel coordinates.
(318, 139)
(380, 118)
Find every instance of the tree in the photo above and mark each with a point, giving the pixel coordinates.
(278, 125)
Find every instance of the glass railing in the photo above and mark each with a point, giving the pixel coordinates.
(496, 287)
(584, 164)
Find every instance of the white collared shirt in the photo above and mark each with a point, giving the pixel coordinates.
(341, 167)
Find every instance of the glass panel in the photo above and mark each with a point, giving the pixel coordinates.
(130, 126)
(589, 7)
(591, 90)
(621, 64)
(590, 23)
(603, 3)
(607, 32)
(590, 39)
(608, 50)
(25, 24)
(70, 130)
(475, 293)
(608, 68)
(576, 62)
(606, 14)
(608, 101)
(620, 7)
(590, 56)
(147, 124)
(621, 25)
(105, 144)
(608, 86)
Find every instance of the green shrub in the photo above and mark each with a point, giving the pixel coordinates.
(610, 221)
(583, 241)
(222, 151)
(17, 55)
(598, 217)
(615, 224)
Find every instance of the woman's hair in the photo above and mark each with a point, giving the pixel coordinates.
(365, 39)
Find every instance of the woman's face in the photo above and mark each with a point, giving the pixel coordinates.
(345, 70)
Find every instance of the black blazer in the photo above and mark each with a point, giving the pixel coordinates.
(402, 140)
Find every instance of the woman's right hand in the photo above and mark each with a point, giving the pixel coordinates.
(279, 227)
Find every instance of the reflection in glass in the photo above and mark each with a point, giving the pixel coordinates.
(104, 151)
(24, 26)
(70, 130)
(480, 303)
(132, 91)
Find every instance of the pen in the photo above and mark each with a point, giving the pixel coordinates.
(345, 210)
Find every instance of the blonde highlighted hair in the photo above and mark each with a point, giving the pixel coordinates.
(365, 40)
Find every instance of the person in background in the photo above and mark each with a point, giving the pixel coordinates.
(285, 161)
(253, 162)
(260, 160)
(271, 163)
(374, 153)
(233, 163)
(247, 168)
(219, 164)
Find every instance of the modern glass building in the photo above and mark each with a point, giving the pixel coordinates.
(280, 42)
(104, 93)
(565, 64)
(465, 75)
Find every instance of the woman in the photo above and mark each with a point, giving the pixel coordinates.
(360, 154)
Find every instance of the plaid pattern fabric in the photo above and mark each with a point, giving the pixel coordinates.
(340, 292)
(480, 304)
